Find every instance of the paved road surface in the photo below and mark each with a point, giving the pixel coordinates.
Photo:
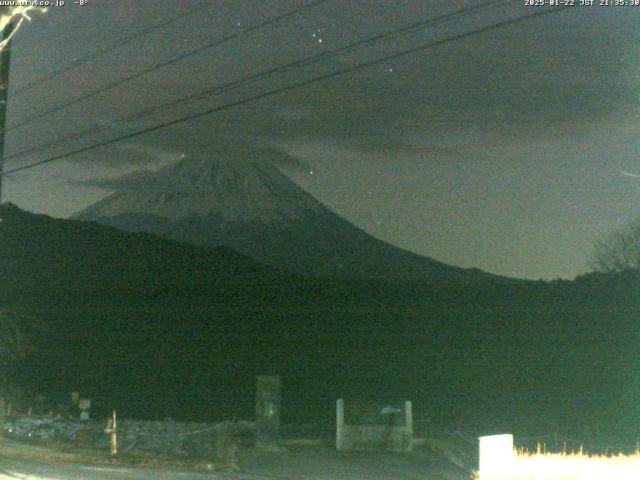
(300, 463)
(324, 463)
(30, 470)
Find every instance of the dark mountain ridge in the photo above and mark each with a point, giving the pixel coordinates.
(50, 258)
(157, 328)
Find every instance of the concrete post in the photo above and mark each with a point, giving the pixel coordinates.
(340, 424)
(112, 431)
(496, 457)
(268, 411)
(408, 415)
(114, 434)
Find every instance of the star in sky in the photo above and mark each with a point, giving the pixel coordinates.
(317, 35)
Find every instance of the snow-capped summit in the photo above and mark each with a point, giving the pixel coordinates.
(234, 184)
(239, 197)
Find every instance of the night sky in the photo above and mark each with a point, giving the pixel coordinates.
(511, 151)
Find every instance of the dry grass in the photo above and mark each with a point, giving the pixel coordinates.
(570, 466)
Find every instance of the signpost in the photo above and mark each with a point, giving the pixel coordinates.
(84, 405)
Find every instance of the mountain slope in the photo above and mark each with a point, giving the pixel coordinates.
(49, 259)
(239, 198)
(157, 328)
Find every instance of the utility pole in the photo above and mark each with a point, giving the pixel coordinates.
(5, 60)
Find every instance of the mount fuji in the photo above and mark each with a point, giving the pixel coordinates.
(240, 198)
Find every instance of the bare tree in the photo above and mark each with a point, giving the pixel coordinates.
(618, 251)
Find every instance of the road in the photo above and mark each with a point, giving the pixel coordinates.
(32, 470)
(290, 464)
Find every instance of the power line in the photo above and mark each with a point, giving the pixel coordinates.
(293, 86)
(266, 73)
(160, 65)
(92, 56)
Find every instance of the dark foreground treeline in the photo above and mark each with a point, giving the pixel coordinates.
(156, 329)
